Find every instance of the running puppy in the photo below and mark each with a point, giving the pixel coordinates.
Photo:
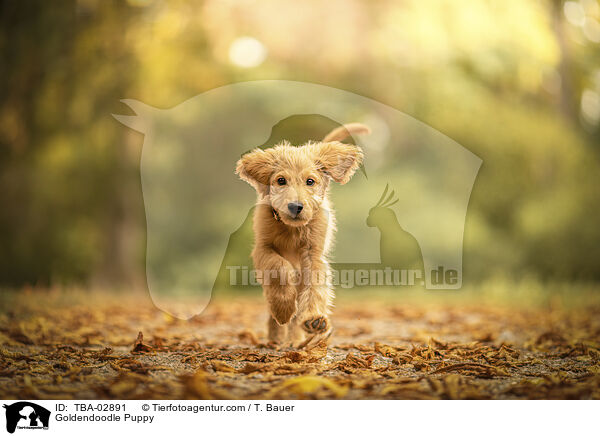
(294, 227)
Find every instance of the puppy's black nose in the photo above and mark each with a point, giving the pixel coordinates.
(295, 208)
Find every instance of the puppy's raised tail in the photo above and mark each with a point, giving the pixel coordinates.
(346, 130)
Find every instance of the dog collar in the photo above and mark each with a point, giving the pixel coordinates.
(275, 214)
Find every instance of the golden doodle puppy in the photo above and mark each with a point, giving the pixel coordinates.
(294, 227)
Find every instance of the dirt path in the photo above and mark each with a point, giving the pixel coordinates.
(53, 348)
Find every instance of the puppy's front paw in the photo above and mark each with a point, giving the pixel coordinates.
(283, 309)
(318, 324)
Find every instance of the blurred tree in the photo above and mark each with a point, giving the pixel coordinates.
(515, 81)
(65, 180)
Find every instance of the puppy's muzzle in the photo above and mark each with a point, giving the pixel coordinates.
(295, 208)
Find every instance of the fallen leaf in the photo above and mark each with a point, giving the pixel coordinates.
(139, 346)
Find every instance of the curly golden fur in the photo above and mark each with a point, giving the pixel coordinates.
(294, 227)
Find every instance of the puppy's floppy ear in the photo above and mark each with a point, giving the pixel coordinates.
(255, 168)
(339, 161)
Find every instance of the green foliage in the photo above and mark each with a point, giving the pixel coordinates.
(502, 78)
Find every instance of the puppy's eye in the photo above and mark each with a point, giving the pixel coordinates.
(281, 181)
(310, 182)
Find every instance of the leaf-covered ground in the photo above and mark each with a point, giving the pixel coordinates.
(89, 346)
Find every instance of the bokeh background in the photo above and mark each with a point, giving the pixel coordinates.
(517, 82)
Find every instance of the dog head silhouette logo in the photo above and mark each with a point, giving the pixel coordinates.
(26, 415)
(196, 208)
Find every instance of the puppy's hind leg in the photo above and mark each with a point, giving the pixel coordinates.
(296, 334)
(277, 333)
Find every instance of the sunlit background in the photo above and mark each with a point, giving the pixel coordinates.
(517, 82)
